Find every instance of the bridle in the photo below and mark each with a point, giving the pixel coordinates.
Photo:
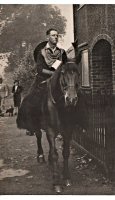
(68, 86)
(50, 93)
(62, 89)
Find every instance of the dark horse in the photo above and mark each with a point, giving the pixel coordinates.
(54, 106)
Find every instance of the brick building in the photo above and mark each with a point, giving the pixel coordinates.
(94, 26)
(95, 29)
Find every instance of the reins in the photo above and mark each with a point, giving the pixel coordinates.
(50, 92)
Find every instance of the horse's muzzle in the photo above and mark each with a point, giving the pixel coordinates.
(71, 101)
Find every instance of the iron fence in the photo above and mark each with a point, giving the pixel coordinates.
(99, 138)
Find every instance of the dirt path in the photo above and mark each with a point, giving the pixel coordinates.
(21, 174)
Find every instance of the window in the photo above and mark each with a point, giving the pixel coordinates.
(85, 68)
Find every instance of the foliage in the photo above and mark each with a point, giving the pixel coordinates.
(13, 61)
(28, 23)
(26, 70)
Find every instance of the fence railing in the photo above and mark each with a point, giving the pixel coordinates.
(99, 138)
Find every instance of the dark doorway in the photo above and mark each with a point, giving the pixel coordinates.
(102, 66)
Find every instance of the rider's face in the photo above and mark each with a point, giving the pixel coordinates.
(16, 83)
(53, 37)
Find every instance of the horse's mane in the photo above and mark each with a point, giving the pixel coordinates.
(53, 82)
(55, 77)
(70, 66)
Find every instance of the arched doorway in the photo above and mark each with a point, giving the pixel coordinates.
(102, 66)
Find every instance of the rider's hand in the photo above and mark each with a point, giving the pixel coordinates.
(52, 69)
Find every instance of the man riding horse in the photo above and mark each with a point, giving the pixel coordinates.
(52, 105)
(48, 56)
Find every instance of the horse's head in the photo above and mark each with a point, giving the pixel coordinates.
(69, 82)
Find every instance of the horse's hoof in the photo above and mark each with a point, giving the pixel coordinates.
(68, 183)
(41, 159)
(58, 189)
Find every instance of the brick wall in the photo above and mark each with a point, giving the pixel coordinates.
(95, 23)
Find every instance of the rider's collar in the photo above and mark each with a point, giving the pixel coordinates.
(48, 47)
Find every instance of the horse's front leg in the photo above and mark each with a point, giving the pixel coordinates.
(40, 154)
(66, 153)
(53, 159)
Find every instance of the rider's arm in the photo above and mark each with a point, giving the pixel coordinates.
(42, 67)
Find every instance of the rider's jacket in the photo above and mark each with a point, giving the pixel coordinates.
(45, 58)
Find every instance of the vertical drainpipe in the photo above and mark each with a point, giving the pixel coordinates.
(75, 7)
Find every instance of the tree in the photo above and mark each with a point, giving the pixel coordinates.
(28, 23)
(26, 70)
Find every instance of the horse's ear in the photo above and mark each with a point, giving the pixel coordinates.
(78, 53)
(75, 43)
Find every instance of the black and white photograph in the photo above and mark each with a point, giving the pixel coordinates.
(57, 99)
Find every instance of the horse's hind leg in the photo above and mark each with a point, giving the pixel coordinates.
(40, 154)
(53, 158)
(66, 153)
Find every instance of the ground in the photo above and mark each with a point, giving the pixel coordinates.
(20, 173)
